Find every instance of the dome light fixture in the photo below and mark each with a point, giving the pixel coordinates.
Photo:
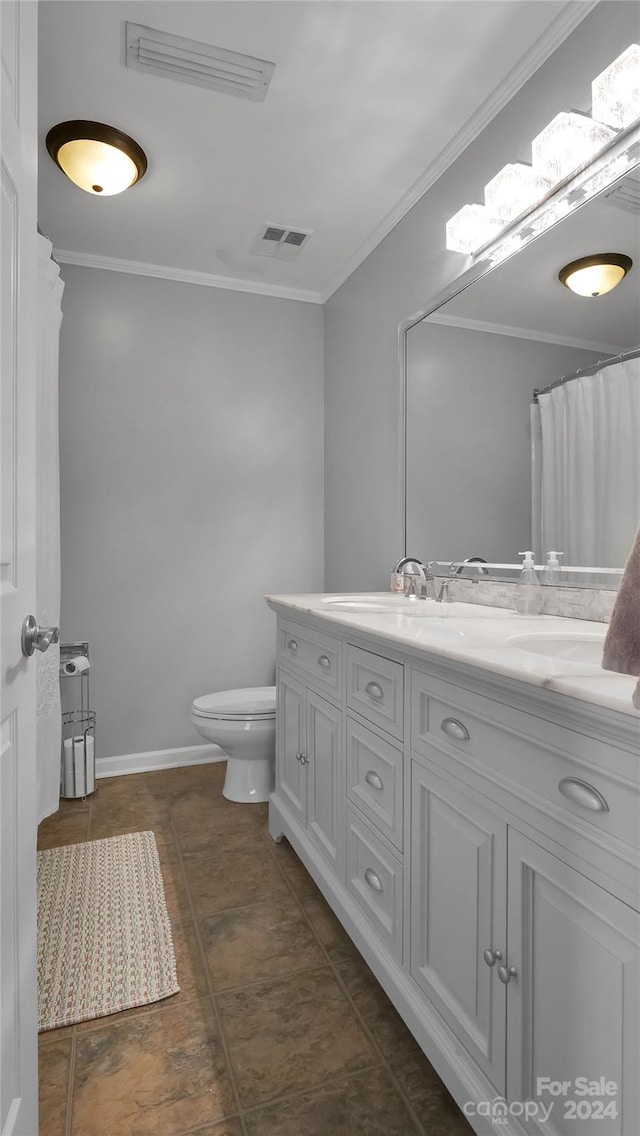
(595, 275)
(97, 158)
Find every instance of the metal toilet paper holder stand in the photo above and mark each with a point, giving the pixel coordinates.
(77, 765)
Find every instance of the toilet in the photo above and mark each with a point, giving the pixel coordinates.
(243, 724)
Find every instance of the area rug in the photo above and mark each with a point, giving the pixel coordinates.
(104, 935)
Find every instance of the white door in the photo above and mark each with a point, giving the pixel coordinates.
(291, 773)
(326, 780)
(18, 256)
(458, 913)
(573, 1003)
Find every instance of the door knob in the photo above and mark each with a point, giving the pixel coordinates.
(505, 975)
(35, 638)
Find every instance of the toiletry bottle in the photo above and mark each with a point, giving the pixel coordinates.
(528, 597)
(552, 572)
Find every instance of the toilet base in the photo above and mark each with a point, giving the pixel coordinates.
(249, 782)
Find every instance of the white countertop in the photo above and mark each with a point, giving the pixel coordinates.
(478, 636)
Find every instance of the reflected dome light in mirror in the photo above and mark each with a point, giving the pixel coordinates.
(98, 158)
(595, 275)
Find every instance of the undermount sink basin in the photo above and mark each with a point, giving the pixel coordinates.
(390, 604)
(572, 648)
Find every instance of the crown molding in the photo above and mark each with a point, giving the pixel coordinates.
(572, 14)
(523, 333)
(185, 276)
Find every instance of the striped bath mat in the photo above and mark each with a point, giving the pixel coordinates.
(104, 936)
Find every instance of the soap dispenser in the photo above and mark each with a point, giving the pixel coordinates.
(552, 573)
(528, 596)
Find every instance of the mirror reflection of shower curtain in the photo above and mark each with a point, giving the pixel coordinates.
(48, 717)
(586, 466)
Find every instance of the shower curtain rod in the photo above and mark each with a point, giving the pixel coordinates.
(587, 371)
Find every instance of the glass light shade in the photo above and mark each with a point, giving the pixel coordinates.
(97, 167)
(513, 190)
(595, 275)
(570, 140)
(470, 228)
(615, 93)
(98, 158)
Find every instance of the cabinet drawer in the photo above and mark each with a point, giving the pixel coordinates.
(317, 657)
(375, 689)
(374, 878)
(567, 775)
(375, 779)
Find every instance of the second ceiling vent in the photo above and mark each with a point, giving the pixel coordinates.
(201, 64)
(279, 241)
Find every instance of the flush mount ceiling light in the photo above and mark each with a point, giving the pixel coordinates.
(595, 275)
(561, 153)
(98, 158)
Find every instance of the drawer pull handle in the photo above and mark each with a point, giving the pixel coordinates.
(455, 729)
(324, 661)
(581, 793)
(374, 780)
(373, 879)
(374, 690)
(491, 957)
(292, 645)
(506, 974)
(302, 758)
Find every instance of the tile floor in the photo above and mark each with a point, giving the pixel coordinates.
(279, 1029)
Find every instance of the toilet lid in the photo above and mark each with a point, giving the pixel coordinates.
(251, 702)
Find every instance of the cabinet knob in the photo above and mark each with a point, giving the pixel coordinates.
(374, 690)
(373, 879)
(583, 794)
(292, 645)
(491, 957)
(506, 974)
(455, 729)
(373, 779)
(302, 758)
(324, 661)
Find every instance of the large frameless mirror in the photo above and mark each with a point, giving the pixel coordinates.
(492, 468)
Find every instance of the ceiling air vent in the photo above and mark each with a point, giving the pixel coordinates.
(626, 195)
(201, 64)
(278, 241)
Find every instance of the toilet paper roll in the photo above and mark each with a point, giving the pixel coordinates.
(76, 666)
(79, 775)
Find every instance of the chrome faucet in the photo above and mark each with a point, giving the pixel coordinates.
(418, 577)
(457, 567)
(443, 595)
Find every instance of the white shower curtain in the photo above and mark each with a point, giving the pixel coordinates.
(589, 473)
(48, 735)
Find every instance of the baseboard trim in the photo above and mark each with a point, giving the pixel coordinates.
(155, 759)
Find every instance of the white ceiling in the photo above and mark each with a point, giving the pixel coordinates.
(364, 100)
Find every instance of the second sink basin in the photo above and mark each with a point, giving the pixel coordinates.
(572, 648)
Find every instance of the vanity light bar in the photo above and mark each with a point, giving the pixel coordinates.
(567, 144)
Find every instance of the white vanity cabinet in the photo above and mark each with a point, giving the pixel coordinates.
(479, 839)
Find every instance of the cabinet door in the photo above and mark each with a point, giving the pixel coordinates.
(458, 911)
(325, 780)
(291, 777)
(573, 1003)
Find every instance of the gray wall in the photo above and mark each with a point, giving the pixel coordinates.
(191, 485)
(411, 266)
(468, 438)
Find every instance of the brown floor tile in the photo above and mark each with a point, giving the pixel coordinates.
(54, 1064)
(434, 1106)
(58, 830)
(191, 976)
(220, 882)
(175, 892)
(221, 831)
(386, 1025)
(329, 930)
(231, 1127)
(160, 1074)
(297, 875)
(210, 775)
(290, 1035)
(364, 1105)
(265, 940)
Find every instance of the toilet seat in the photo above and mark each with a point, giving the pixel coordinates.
(251, 704)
